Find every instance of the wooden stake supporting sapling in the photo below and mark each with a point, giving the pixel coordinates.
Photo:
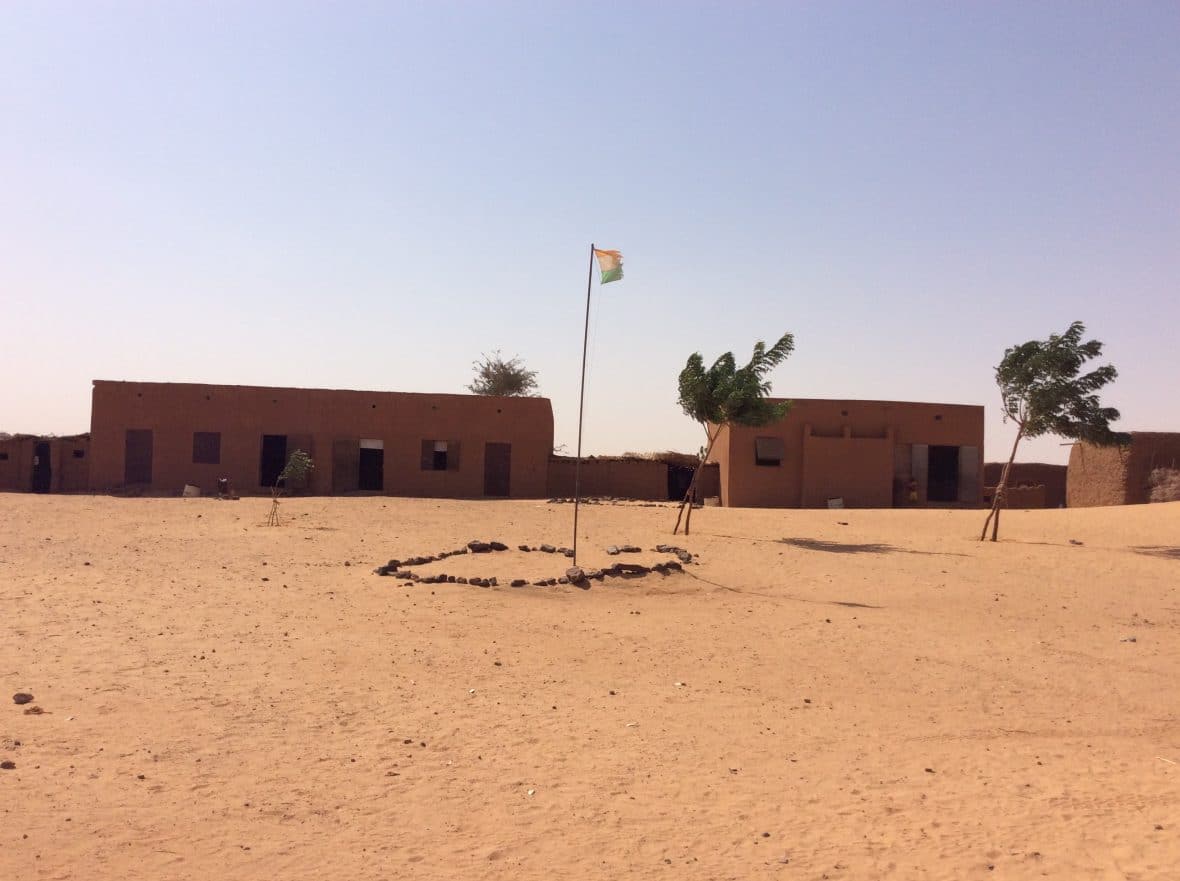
(299, 466)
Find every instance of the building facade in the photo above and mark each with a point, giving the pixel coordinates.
(45, 464)
(859, 454)
(158, 437)
(1030, 484)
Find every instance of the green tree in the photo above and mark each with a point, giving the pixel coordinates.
(297, 470)
(1042, 393)
(505, 378)
(725, 395)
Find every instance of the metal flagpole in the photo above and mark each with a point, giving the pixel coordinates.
(581, 400)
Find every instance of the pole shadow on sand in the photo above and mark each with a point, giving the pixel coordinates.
(1164, 551)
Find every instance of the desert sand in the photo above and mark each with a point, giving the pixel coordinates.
(822, 694)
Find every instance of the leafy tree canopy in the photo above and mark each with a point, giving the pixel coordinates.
(505, 378)
(1043, 393)
(727, 394)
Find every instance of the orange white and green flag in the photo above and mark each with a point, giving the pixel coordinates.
(611, 264)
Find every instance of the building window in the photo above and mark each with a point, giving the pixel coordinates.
(440, 455)
(768, 451)
(79, 454)
(206, 447)
(3, 457)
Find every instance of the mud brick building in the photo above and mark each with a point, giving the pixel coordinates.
(861, 453)
(161, 436)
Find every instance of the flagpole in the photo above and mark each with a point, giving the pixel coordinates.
(581, 401)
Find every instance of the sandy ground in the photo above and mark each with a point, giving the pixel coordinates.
(882, 699)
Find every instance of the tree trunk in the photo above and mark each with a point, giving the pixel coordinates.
(998, 498)
(692, 486)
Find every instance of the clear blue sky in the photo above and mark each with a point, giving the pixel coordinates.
(369, 195)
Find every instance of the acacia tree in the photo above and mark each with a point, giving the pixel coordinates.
(1042, 393)
(496, 376)
(727, 395)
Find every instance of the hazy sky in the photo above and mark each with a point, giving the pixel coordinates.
(369, 195)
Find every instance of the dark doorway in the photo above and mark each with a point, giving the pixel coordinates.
(372, 469)
(497, 469)
(42, 468)
(137, 456)
(942, 470)
(273, 459)
(679, 479)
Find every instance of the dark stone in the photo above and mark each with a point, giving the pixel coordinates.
(381, 570)
(524, 548)
(450, 579)
(595, 574)
(632, 568)
(441, 578)
(563, 580)
(668, 549)
(574, 574)
(684, 556)
(519, 582)
(393, 564)
(497, 546)
(540, 582)
(461, 580)
(552, 581)
(630, 549)
(479, 547)
(613, 550)
(674, 566)
(7, 765)
(549, 549)
(566, 552)
(662, 568)
(492, 582)
(22, 697)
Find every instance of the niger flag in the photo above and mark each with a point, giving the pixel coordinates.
(611, 264)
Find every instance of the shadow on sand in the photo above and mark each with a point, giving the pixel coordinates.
(782, 596)
(836, 547)
(839, 547)
(1168, 553)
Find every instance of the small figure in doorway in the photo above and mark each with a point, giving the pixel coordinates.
(913, 490)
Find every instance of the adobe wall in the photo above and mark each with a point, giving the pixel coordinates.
(1023, 497)
(1052, 477)
(620, 478)
(68, 473)
(623, 478)
(16, 466)
(71, 472)
(744, 483)
(315, 420)
(857, 470)
(1096, 476)
(1120, 475)
(1149, 450)
(709, 483)
(719, 456)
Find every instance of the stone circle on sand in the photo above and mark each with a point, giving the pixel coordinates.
(575, 575)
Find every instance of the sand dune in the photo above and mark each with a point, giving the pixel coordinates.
(882, 699)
